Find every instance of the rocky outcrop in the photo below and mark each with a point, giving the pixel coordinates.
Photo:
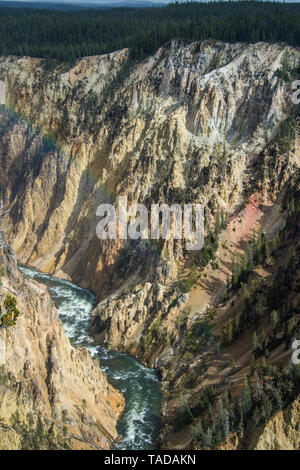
(52, 395)
(282, 431)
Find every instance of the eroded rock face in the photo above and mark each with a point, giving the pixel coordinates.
(49, 388)
(190, 124)
(282, 431)
(186, 125)
(183, 126)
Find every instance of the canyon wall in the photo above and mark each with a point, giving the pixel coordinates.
(186, 125)
(53, 396)
(207, 123)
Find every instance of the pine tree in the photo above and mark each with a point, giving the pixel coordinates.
(226, 399)
(197, 433)
(267, 409)
(226, 423)
(229, 332)
(241, 427)
(236, 412)
(246, 398)
(252, 365)
(257, 416)
(264, 366)
(237, 322)
(254, 343)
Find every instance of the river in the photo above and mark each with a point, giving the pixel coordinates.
(140, 422)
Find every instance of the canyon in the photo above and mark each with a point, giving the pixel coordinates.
(206, 122)
(53, 396)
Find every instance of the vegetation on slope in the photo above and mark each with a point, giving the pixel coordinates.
(34, 431)
(9, 312)
(268, 387)
(236, 371)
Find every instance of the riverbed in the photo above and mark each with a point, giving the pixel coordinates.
(140, 422)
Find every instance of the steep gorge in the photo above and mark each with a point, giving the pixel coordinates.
(197, 122)
(53, 396)
(156, 132)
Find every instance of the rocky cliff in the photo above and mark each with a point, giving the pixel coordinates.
(209, 123)
(282, 431)
(53, 396)
(184, 125)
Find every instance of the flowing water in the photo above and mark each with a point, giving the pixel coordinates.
(139, 425)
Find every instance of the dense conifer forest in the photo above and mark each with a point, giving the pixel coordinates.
(66, 36)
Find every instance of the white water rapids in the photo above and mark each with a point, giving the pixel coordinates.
(139, 425)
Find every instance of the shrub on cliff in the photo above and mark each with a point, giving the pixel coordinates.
(9, 312)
